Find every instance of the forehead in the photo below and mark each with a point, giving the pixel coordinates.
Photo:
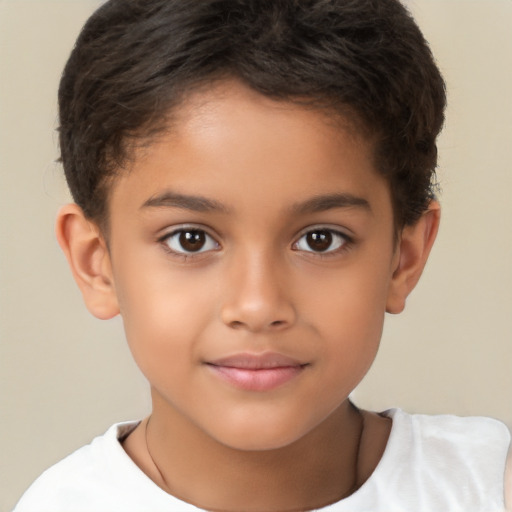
(233, 144)
(229, 107)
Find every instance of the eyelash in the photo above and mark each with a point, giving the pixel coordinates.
(342, 240)
(183, 230)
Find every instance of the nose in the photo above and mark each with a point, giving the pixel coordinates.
(257, 296)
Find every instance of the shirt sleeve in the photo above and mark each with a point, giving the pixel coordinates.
(508, 481)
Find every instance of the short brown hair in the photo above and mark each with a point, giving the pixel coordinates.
(136, 59)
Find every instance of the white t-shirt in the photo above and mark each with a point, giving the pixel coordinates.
(430, 464)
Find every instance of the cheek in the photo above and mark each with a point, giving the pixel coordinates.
(163, 316)
(354, 296)
(349, 315)
(352, 335)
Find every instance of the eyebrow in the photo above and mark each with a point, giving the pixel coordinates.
(330, 201)
(171, 199)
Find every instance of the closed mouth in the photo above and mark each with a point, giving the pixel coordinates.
(257, 372)
(248, 361)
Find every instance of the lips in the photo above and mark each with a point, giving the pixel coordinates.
(256, 372)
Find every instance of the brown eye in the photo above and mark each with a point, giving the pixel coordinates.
(192, 241)
(187, 241)
(321, 240)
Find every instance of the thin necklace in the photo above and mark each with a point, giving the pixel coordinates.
(167, 487)
(356, 484)
(353, 488)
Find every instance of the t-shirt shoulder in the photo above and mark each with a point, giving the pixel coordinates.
(432, 463)
(98, 477)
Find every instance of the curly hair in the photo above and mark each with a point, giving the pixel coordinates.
(136, 60)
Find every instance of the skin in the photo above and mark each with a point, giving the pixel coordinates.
(266, 174)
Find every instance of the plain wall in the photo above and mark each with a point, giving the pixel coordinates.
(65, 376)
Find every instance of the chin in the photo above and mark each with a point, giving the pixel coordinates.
(259, 437)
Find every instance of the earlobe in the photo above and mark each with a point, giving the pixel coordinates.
(89, 260)
(413, 250)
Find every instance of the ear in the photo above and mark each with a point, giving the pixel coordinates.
(412, 253)
(88, 257)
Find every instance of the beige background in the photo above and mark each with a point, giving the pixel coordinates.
(66, 377)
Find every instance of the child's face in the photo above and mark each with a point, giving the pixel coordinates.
(254, 228)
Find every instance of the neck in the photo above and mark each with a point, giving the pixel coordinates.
(318, 469)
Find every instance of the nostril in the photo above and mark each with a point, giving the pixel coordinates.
(237, 324)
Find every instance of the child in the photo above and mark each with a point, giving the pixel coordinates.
(253, 187)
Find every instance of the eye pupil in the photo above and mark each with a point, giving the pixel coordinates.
(319, 240)
(192, 240)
